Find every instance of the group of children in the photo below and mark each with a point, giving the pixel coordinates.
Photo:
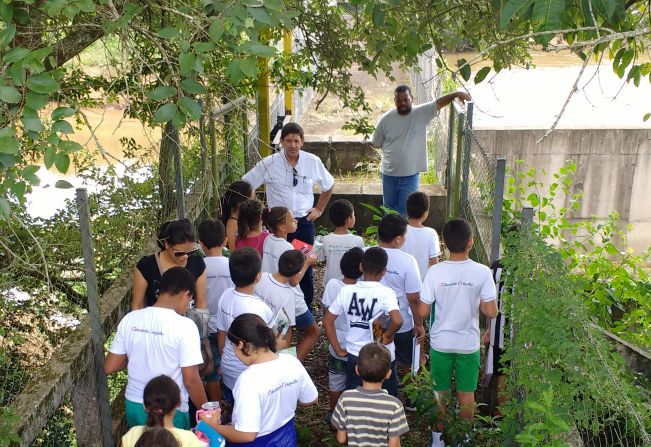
(376, 300)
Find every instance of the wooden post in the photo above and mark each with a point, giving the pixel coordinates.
(289, 92)
(456, 187)
(264, 126)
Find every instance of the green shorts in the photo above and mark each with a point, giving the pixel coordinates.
(137, 415)
(464, 366)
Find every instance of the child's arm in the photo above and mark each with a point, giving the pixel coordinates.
(394, 441)
(434, 260)
(342, 437)
(396, 323)
(414, 304)
(221, 341)
(329, 326)
(286, 341)
(488, 308)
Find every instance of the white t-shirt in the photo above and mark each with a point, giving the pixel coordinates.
(403, 139)
(266, 394)
(359, 303)
(402, 277)
(218, 279)
(422, 244)
(456, 289)
(334, 247)
(300, 306)
(278, 176)
(272, 248)
(276, 295)
(231, 305)
(156, 341)
(331, 291)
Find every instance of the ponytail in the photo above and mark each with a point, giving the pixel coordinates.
(249, 217)
(275, 217)
(253, 332)
(161, 397)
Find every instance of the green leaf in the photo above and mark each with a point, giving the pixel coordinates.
(7, 35)
(19, 189)
(62, 112)
(50, 155)
(17, 73)
(190, 107)
(36, 101)
(193, 87)
(7, 132)
(161, 93)
(249, 67)
(646, 117)
(261, 15)
(10, 95)
(604, 7)
(186, 64)
(511, 9)
(234, 72)
(262, 50)
(481, 74)
(378, 15)
(5, 208)
(168, 33)
(62, 184)
(549, 14)
(62, 126)
(216, 30)
(9, 145)
(42, 84)
(33, 124)
(464, 69)
(164, 113)
(62, 162)
(179, 120)
(70, 146)
(14, 55)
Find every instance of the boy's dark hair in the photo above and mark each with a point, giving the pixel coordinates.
(157, 437)
(456, 235)
(244, 265)
(175, 232)
(290, 263)
(212, 233)
(374, 260)
(391, 226)
(292, 128)
(350, 261)
(251, 329)
(373, 363)
(274, 217)
(339, 211)
(417, 204)
(160, 397)
(176, 280)
(402, 89)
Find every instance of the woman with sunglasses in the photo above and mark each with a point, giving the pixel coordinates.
(178, 248)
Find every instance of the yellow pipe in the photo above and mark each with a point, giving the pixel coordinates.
(289, 92)
(263, 103)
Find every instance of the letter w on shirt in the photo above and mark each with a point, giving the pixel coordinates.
(359, 309)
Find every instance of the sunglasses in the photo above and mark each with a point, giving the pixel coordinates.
(295, 177)
(179, 253)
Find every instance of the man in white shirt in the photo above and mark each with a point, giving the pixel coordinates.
(289, 177)
(159, 340)
(459, 288)
(401, 133)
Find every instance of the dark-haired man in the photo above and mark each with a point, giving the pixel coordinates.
(402, 135)
(289, 177)
(159, 340)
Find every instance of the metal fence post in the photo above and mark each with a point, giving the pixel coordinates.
(448, 167)
(467, 154)
(90, 397)
(178, 172)
(456, 187)
(527, 216)
(498, 199)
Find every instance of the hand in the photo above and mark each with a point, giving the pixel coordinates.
(387, 339)
(313, 214)
(341, 352)
(214, 419)
(463, 96)
(486, 338)
(311, 261)
(420, 333)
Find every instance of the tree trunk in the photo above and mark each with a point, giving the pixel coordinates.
(166, 174)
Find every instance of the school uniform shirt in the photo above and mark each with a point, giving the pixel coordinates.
(456, 289)
(334, 247)
(231, 305)
(422, 244)
(278, 176)
(276, 295)
(331, 291)
(156, 341)
(266, 394)
(359, 303)
(274, 246)
(300, 306)
(218, 279)
(403, 277)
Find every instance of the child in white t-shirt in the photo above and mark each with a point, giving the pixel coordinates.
(403, 277)
(280, 222)
(349, 265)
(244, 265)
(268, 391)
(335, 244)
(421, 242)
(459, 288)
(212, 238)
(361, 303)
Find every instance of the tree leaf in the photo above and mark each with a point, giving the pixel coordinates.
(511, 9)
(70, 146)
(168, 33)
(36, 101)
(260, 14)
(62, 162)
(262, 50)
(9, 145)
(549, 14)
(49, 156)
(7, 132)
(15, 54)
(190, 108)
(62, 126)
(604, 7)
(161, 93)
(646, 117)
(62, 184)
(42, 84)
(216, 30)
(5, 208)
(481, 74)
(33, 124)
(10, 95)
(193, 87)
(164, 113)
(249, 67)
(62, 112)
(186, 64)
(464, 69)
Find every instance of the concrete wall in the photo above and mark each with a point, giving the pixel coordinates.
(613, 169)
(342, 157)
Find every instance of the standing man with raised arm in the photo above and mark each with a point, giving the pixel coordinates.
(401, 133)
(289, 177)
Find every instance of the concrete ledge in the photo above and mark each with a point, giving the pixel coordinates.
(341, 157)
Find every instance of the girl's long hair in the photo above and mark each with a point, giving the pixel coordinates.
(238, 192)
(249, 217)
(253, 331)
(161, 397)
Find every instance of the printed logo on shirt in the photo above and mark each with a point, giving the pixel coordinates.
(359, 309)
(146, 331)
(281, 386)
(457, 283)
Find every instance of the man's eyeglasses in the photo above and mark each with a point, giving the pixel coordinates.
(179, 253)
(294, 177)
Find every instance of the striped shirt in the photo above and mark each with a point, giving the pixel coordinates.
(369, 417)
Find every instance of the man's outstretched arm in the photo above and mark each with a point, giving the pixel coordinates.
(447, 99)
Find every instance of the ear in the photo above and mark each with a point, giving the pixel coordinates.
(257, 277)
(471, 242)
(225, 243)
(356, 370)
(361, 269)
(388, 374)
